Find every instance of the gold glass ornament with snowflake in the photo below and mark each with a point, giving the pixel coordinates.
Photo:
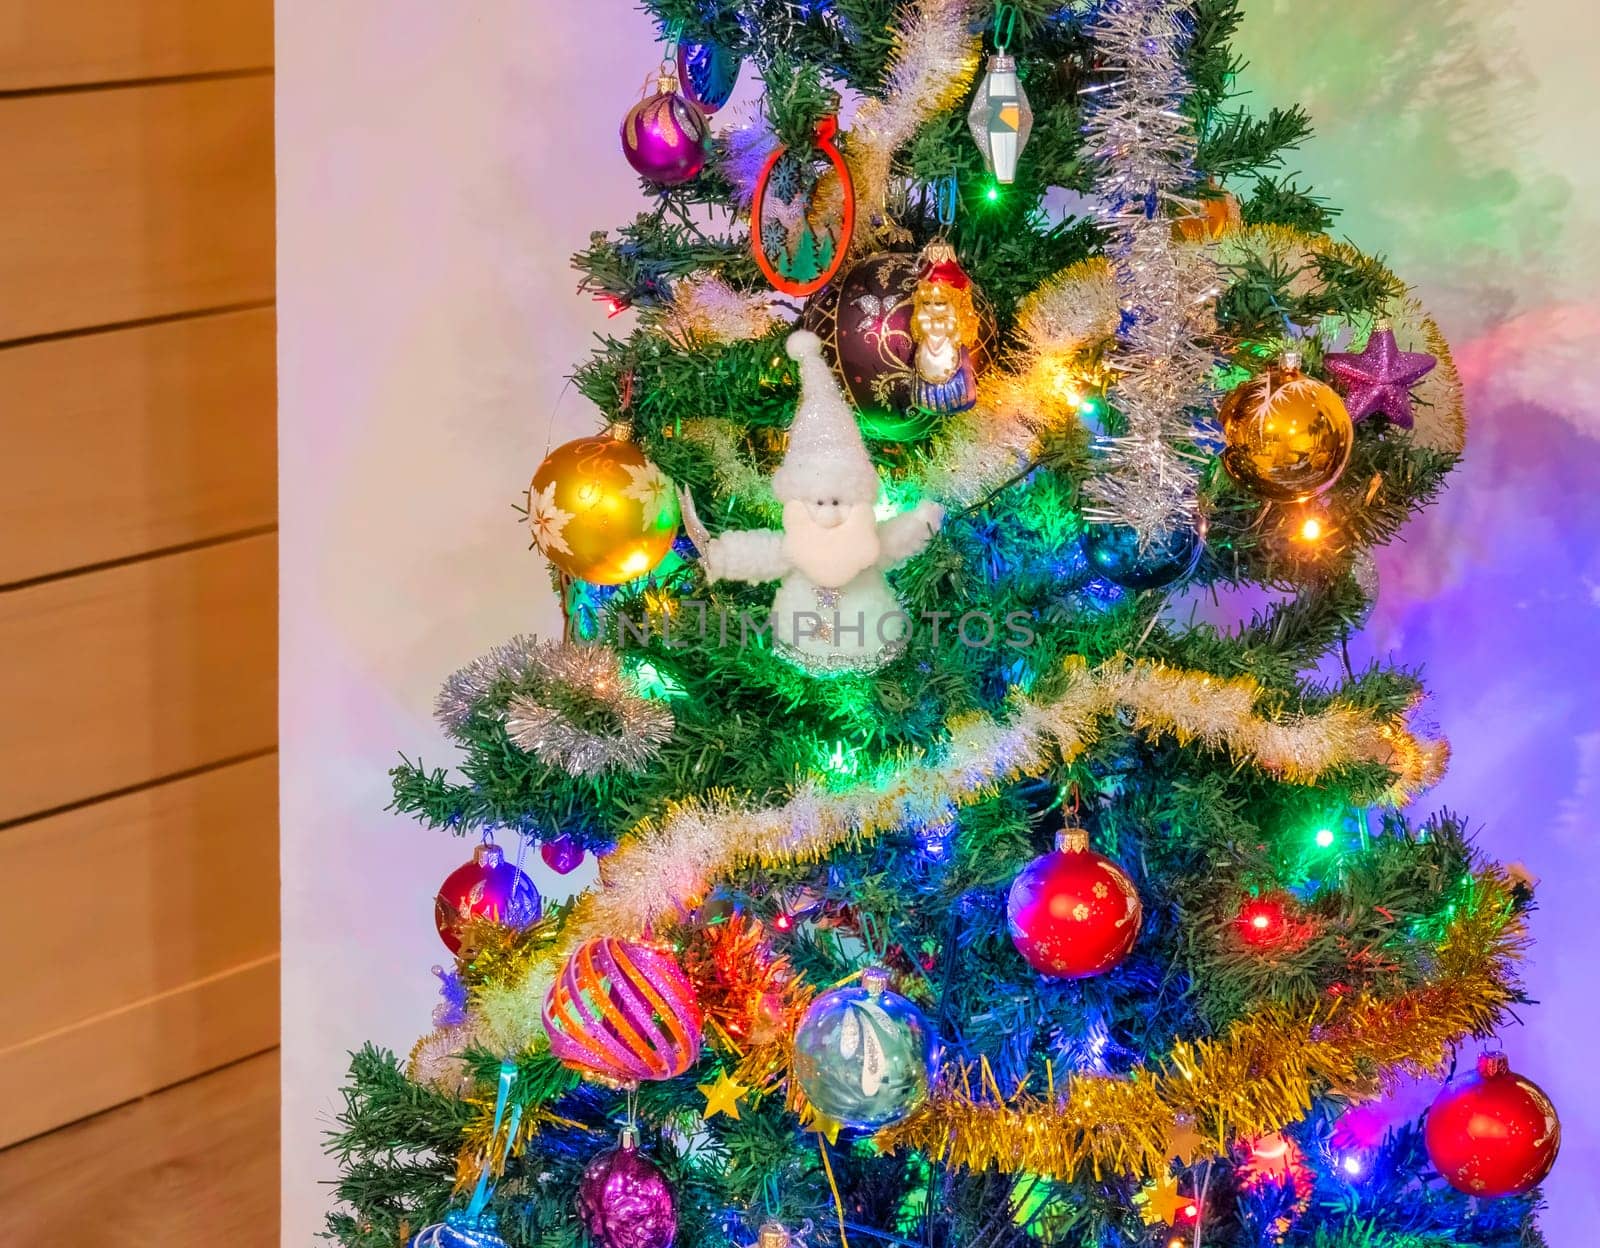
(602, 512)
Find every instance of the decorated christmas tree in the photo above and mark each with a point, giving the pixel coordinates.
(973, 869)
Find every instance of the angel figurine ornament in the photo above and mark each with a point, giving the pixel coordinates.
(943, 325)
(833, 609)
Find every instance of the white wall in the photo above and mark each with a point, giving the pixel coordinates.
(438, 163)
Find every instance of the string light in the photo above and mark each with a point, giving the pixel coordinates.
(1324, 838)
(992, 193)
(1352, 1165)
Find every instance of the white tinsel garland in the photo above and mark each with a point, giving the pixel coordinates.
(1145, 148)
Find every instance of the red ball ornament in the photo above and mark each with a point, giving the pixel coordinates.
(487, 887)
(1073, 913)
(1493, 1133)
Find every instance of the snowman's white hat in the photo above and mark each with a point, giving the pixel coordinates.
(827, 458)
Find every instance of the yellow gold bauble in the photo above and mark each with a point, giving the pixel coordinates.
(601, 511)
(1288, 435)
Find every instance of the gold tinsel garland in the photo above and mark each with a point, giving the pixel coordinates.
(666, 867)
(1256, 1078)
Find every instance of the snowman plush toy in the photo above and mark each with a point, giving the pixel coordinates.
(834, 610)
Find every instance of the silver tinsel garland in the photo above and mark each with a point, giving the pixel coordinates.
(530, 668)
(1145, 149)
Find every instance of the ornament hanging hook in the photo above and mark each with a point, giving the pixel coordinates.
(946, 196)
(1005, 27)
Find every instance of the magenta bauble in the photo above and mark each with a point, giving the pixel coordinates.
(1493, 1133)
(1073, 913)
(487, 887)
(562, 854)
(624, 1200)
(664, 136)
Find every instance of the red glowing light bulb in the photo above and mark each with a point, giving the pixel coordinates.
(1263, 921)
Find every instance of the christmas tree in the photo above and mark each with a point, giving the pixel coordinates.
(960, 884)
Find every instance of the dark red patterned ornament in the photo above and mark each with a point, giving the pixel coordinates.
(1073, 913)
(1493, 1133)
(864, 320)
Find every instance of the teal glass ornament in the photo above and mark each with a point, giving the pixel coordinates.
(1114, 552)
(864, 1055)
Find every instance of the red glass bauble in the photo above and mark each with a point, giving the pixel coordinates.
(1493, 1133)
(863, 317)
(1073, 913)
(487, 887)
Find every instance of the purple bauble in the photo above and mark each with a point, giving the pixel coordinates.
(562, 854)
(624, 1200)
(664, 137)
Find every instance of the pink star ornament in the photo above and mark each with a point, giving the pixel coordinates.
(1379, 377)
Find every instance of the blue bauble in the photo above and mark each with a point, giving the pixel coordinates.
(460, 1229)
(1114, 553)
(864, 1056)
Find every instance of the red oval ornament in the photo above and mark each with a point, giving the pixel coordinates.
(797, 243)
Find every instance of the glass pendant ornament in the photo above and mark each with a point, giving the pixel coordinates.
(1000, 117)
(707, 74)
(864, 1055)
(623, 1011)
(602, 512)
(624, 1201)
(1073, 913)
(487, 887)
(664, 135)
(803, 214)
(1115, 552)
(1493, 1133)
(1288, 435)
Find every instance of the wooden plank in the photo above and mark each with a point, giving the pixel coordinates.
(122, 676)
(131, 1052)
(122, 900)
(77, 41)
(193, 1167)
(134, 440)
(135, 202)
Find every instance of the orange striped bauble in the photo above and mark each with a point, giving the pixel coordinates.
(622, 1012)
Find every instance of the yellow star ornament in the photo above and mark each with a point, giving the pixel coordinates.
(723, 1096)
(1160, 1201)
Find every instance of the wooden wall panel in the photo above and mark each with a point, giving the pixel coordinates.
(125, 1053)
(146, 893)
(52, 43)
(135, 440)
(196, 1167)
(135, 203)
(125, 675)
(138, 593)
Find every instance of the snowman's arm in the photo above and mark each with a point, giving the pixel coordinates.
(908, 533)
(753, 555)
